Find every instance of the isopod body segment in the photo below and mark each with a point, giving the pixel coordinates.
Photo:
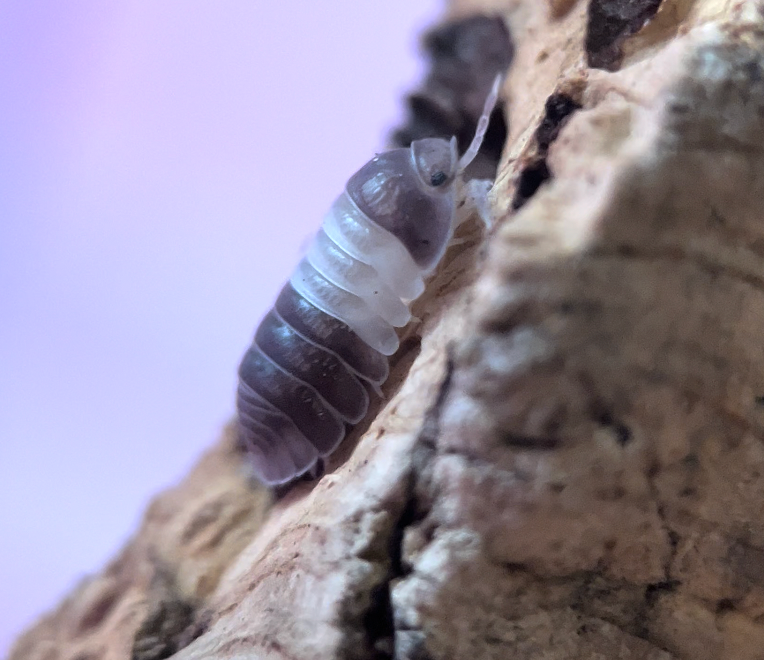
(303, 381)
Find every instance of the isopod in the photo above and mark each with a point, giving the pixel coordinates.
(333, 326)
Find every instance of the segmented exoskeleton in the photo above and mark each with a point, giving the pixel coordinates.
(301, 382)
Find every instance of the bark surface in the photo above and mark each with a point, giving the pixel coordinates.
(570, 461)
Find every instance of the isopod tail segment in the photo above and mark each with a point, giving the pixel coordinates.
(305, 380)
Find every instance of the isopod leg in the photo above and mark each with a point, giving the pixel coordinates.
(475, 194)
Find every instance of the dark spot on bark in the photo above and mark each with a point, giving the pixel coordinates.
(759, 401)
(378, 623)
(589, 308)
(530, 181)
(691, 461)
(609, 23)
(465, 56)
(752, 69)
(431, 425)
(173, 621)
(679, 107)
(653, 469)
(626, 251)
(164, 630)
(410, 516)
(621, 432)
(724, 605)
(528, 442)
(719, 220)
(654, 591)
(557, 110)
(98, 611)
(611, 494)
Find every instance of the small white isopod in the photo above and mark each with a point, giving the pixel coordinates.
(301, 382)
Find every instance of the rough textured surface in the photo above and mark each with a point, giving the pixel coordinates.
(571, 461)
(149, 601)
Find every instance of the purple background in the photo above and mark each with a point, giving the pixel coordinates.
(162, 165)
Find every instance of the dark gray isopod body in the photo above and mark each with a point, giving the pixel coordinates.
(301, 382)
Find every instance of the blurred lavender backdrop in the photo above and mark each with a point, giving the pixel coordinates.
(161, 166)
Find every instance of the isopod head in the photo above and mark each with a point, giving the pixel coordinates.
(435, 161)
(408, 192)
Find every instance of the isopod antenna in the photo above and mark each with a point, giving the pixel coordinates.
(482, 125)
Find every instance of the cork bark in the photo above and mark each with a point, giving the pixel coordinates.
(569, 463)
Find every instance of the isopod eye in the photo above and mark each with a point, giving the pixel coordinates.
(439, 178)
(434, 161)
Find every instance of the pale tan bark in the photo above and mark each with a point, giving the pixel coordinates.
(571, 463)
